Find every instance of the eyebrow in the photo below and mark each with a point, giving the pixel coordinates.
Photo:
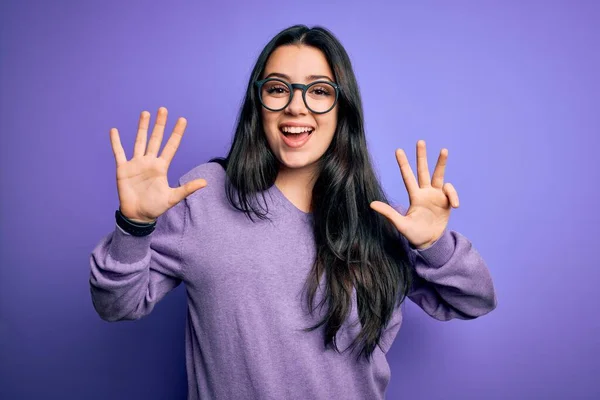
(308, 78)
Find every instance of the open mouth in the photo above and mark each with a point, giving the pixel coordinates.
(292, 131)
(296, 136)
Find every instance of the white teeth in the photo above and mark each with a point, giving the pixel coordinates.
(295, 129)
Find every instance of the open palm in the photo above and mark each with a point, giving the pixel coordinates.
(430, 200)
(144, 192)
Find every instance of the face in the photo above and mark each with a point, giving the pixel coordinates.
(299, 64)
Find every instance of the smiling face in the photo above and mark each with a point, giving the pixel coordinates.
(297, 136)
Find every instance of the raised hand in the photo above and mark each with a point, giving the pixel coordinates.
(430, 200)
(142, 184)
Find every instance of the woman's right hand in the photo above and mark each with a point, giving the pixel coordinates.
(142, 184)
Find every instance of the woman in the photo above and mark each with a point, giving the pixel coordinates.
(291, 258)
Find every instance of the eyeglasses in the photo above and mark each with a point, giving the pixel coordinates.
(276, 94)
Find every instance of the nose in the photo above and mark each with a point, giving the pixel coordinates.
(296, 106)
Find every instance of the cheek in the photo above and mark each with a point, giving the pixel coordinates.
(269, 122)
(328, 123)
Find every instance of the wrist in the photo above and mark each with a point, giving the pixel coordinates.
(132, 227)
(137, 221)
(140, 221)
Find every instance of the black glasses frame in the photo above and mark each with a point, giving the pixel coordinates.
(292, 87)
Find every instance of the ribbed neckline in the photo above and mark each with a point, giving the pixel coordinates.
(285, 202)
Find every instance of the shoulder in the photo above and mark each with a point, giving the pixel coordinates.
(215, 176)
(212, 172)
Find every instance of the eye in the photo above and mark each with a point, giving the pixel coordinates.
(321, 90)
(275, 88)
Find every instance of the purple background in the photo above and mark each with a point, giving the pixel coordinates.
(510, 88)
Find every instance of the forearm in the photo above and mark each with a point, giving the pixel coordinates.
(119, 275)
(453, 280)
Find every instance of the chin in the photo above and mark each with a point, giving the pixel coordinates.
(296, 163)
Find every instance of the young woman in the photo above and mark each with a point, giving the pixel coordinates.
(291, 257)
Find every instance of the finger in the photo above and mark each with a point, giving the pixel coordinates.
(407, 175)
(118, 151)
(440, 168)
(173, 143)
(422, 168)
(390, 213)
(157, 132)
(452, 195)
(181, 192)
(142, 134)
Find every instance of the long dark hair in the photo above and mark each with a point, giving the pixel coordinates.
(355, 246)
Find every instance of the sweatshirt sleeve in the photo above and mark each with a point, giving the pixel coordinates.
(130, 274)
(451, 279)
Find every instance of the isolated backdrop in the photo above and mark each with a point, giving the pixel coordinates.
(511, 88)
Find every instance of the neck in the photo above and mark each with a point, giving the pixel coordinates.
(297, 185)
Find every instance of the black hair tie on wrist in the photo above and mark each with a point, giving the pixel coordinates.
(134, 228)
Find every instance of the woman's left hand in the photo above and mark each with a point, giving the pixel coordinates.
(430, 200)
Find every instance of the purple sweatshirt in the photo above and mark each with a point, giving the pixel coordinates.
(244, 282)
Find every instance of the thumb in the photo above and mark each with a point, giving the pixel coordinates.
(397, 219)
(188, 188)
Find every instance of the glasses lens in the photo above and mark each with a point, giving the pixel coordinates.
(320, 97)
(275, 94)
